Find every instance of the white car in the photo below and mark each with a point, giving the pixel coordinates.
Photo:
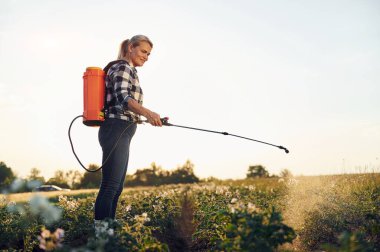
(49, 188)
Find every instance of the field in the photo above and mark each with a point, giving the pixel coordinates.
(325, 213)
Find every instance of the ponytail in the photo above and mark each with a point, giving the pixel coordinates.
(123, 50)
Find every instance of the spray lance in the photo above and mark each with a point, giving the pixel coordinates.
(166, 123)
(93, 113)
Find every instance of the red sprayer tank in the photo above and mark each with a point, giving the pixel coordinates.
(93, 96)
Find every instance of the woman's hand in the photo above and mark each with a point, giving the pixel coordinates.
(154, 119)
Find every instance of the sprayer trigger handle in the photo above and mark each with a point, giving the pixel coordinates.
(164, 120)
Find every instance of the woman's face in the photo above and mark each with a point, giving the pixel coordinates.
(140, 54)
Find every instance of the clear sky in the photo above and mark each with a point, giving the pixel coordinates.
(302, 74)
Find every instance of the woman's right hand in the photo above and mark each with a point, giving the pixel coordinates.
(154, 119)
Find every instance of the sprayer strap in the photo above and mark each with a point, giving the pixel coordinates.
(105, 69)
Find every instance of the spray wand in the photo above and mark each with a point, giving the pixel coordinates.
(166, 123)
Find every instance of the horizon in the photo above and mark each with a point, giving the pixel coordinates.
(358, 171)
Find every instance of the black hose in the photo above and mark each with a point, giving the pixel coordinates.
(105, 161)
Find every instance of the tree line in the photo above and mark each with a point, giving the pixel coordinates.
(152, 176)
(73, 179)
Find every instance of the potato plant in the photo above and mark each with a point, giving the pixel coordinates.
(323, 213)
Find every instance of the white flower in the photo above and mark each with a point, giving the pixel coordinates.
(232, 209)
(252, 208)
(110, 232)
(59, 233)
(62, 198)
(234, 200)
(72, 205)
(142, 218)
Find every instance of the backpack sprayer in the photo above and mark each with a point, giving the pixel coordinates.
(93, 112)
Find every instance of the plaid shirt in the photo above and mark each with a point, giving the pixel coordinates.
(122, 84)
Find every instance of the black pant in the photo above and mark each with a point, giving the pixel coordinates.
(115, 169)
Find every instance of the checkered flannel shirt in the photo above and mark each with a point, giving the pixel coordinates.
(122, 84)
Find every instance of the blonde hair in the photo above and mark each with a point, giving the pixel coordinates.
(135, 41)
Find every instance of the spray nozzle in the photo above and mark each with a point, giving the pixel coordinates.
(283, 148)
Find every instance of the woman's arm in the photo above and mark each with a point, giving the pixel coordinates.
(153, 118)
(122, 88)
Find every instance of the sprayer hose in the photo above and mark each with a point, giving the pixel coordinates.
(105, 161)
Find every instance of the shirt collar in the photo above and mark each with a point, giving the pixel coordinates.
(132, 67)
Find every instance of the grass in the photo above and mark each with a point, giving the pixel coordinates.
(52, 196)
(24, 197)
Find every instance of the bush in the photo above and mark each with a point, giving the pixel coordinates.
(251, 229)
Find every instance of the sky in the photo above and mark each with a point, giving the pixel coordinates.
(301, 74)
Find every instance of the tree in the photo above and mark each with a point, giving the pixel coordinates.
(143, 177)
(35, 175)
(59, 179)
(184, 174)
(6, 175)
(74, 178)
(257, 171)
(155, 175)
(91, 179)
(148, 176)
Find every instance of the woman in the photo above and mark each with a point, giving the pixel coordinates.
(123, 107)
